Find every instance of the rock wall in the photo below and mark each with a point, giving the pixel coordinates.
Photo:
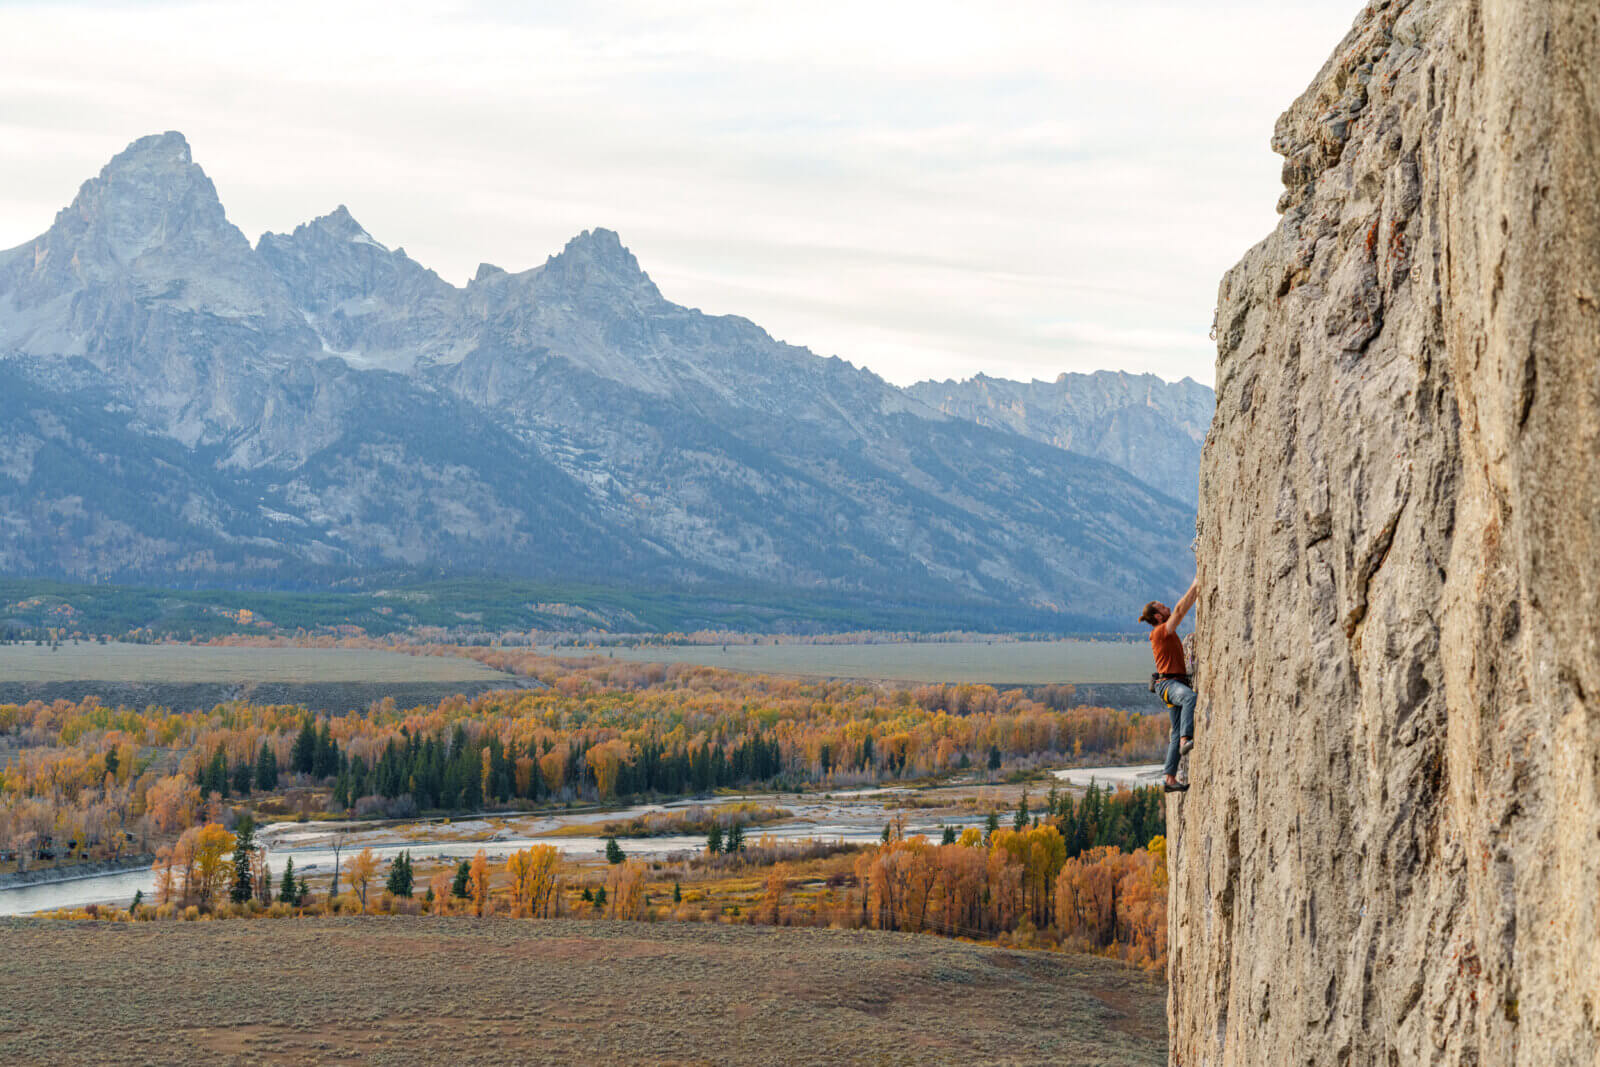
(1390, 852)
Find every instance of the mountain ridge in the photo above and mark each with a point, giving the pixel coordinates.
(1145, 425)
(564, 419)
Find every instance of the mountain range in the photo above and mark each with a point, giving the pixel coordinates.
(178, 406)
(1146, 425)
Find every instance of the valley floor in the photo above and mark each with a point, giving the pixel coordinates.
(461, 990)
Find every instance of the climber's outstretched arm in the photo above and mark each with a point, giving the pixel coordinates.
(1181, 609)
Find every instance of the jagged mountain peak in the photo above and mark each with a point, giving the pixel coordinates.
(337, 225)
(340, 223)
(151, 193)
(170, 148)
(601, 245)
(147, 236)
(597, 258)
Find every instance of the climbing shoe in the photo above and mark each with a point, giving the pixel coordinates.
(1185, 746)
(1175, 787)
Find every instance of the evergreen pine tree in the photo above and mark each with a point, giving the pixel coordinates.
(266, 768)
(677, 893)
(990, 825)
(138, 898)
(326, 754)
(994, 757)
(243, 776)
(400, 877)
(735, 842)
(949, 836)
(305, 748)
(302, 892)
(613, 851)
(1020, 823)
(217, 774)
(286, 889)
(586, 895)
(244, 886)
(599, 898)
(458, 888)
(714, 839)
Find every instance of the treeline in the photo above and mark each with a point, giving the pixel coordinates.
(101, 776)
(1019, 886)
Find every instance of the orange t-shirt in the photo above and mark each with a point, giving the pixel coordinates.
(1168, 649)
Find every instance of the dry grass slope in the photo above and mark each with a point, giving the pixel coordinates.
(463, 991)
(188, 663)
(1000, 663)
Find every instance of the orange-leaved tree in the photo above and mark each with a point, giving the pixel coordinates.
(478, 882)
(439, 885)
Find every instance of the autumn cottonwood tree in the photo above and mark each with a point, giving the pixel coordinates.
(544, 882)
(517, 866)
(772, 900)
(362, 870)
(626, 896)
(439, 886)
(479, 882)
(201, 856)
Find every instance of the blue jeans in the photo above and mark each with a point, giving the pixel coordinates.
(1180, 701)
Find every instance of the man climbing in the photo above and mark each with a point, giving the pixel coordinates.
(1171, 681)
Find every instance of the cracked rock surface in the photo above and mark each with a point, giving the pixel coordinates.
(1390, 854)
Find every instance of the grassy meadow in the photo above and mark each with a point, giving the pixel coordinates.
(112, 662)
(997, 663)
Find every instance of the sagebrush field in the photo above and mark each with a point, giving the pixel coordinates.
(460, 990)
(113, 662)
(997, 663)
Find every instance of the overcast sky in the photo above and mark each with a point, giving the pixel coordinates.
(927, 189)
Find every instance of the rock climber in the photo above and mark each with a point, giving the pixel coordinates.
(1171, 680)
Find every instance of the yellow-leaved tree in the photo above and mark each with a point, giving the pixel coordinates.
(363, 868)
(202, 855)
(478, 882)
(625, 893)
(517, 866)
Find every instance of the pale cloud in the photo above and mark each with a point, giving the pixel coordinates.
(928, 189)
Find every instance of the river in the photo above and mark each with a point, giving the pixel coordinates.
(849, 815)
(856, 816)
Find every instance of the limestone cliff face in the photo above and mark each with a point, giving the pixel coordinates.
(1390, 854)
